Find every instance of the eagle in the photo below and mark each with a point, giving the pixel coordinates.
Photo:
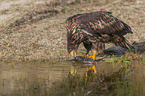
(94, 30)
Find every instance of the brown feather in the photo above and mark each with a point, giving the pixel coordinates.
(102, 22)
(94, 29)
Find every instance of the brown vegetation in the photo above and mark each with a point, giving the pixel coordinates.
(36, 29)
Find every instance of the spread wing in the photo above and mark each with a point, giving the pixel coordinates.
(102, 23)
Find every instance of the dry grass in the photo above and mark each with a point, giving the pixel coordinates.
(44, 36)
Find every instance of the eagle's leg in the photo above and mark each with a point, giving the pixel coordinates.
(93, 56)
(73, 54)
(88, 46)
(97, 47)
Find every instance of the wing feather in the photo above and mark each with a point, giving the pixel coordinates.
(102, 23)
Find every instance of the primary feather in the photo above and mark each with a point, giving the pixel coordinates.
(102, 22)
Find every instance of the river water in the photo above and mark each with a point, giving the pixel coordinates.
(70, 78)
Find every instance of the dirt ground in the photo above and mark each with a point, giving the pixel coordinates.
(35, 29)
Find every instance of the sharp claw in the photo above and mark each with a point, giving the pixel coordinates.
(73, 53)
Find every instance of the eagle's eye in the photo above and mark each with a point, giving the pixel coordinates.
(99, 23)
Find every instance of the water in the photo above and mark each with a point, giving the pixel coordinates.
(70, 78)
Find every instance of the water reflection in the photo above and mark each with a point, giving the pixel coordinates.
(71, 78)
(102, 83)
(23, 77)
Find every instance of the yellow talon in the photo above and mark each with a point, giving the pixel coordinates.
(93, 56)
(73, 53)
